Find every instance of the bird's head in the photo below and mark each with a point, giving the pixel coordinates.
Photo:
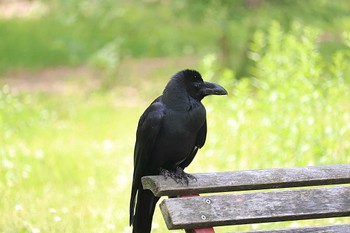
(192, 82)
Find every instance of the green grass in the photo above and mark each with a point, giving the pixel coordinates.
(65, 164)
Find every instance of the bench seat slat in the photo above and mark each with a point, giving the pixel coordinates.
(251, 180)
(340, 228)
(256, 207)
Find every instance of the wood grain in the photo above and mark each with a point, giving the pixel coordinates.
(250, 180)
(256, 207)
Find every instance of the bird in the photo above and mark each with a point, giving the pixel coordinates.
(168, 136)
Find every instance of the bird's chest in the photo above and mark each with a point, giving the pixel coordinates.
(177, 137)
(184, 125)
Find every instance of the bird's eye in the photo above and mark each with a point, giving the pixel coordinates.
(197, 85)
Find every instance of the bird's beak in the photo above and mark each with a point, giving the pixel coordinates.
(213, 89)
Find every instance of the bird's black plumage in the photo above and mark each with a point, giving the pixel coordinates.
(169, 133)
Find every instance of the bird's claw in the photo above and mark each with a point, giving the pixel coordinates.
(165, 173)
(178, 175)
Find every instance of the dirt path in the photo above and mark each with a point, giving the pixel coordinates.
(132, 72)
(53, 79)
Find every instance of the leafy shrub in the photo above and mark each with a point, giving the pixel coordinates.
(292, 111)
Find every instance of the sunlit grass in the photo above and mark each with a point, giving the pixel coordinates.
(65, 163)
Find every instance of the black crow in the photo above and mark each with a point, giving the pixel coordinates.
(169, 133)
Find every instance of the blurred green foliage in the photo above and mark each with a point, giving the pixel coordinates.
(66, 158)
(76, 32)
(293, 109)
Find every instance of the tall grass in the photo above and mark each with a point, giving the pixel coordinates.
(65, 163)
(66, 160)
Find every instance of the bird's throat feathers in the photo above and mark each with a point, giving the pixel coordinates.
(175, 96)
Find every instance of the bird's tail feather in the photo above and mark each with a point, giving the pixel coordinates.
(142, 220)
(132, 203)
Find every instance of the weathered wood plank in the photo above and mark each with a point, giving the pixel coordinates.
(256, 207)
(251, 180)
(341, 228)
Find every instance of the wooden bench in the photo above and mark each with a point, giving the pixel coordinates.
(201, 213)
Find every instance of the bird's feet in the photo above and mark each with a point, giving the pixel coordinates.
(178, 175)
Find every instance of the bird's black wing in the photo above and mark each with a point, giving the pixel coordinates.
(146, 135)
(200, 140)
